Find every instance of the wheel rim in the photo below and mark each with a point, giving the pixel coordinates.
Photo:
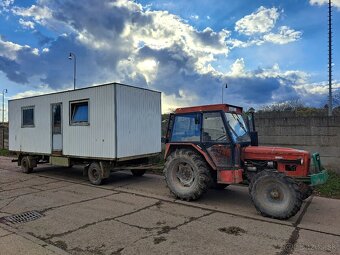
(273, 195)
(185, 174)
(94, 174)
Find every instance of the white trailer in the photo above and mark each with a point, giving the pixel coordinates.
(100, 126)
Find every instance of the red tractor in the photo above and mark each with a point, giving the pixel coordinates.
(216, 145)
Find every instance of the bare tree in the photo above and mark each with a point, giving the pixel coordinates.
(284, 106)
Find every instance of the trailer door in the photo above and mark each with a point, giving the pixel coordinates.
(57, 135)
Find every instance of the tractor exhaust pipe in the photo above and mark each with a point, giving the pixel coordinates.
(252, 131)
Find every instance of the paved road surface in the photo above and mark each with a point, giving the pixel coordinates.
(130, 215)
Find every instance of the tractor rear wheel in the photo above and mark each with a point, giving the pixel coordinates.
(187, 174)
(138, 173)
(275, 195)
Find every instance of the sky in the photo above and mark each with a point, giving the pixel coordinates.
(266, 51)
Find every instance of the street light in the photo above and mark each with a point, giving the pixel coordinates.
(3, 117)
(70, 57)
(226, 86)
(3, 105)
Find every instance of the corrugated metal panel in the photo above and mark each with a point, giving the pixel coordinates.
(138, 121)
(94, 140)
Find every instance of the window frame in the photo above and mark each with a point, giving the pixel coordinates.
(227, 131)
(199, 115)
(22, 116)
(79, 123)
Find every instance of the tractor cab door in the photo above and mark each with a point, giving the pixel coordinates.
(216, 140)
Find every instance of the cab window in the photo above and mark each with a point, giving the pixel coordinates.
(186, 128)
(213, 128)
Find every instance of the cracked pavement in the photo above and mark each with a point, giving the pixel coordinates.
(137, 215)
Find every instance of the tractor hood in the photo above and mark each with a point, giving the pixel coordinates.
(273, 153)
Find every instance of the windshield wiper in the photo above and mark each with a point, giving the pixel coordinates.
(239, 122)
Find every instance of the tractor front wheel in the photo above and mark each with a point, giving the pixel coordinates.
(275, 195)
(306, 191)
(187, 174)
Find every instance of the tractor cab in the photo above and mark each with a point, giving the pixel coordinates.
(219, 130)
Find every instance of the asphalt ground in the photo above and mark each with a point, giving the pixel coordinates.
(138, 215)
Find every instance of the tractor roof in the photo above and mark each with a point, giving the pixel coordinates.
(212, 107)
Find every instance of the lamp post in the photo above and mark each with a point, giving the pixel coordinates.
(226, 86)
(330, 96)
(3, 117)
(3, 105)
(70, 57)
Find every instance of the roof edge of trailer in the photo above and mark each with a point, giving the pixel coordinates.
(94, 86)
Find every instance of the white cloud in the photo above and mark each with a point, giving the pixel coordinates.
(148, 68)
(184, 99)
(156, 49)
(31, 93)
(260, 21)
(10, 49)
(39, 13)
(335, 3)
(285, 35)
(26, 23)
(237, 69)
(5, 5)
(194, 17)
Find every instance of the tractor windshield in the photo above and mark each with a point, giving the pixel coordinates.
(237, 127)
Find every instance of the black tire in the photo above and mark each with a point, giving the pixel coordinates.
(138, 173)
(187, 175)
(95, 174)
(25, 165)
(306, 191)
(219, 186)
(275, 195)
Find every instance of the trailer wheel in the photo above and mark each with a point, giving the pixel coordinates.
(25, 165)
(138, 173)
(95, 173)
(275, 195)
(187, 174)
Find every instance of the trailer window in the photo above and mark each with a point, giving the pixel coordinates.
(27, 114)
(79, 114)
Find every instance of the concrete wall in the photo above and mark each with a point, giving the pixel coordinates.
(317, 133)
(3, 132)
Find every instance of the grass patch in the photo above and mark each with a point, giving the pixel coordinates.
(331, 188)
(4, 152)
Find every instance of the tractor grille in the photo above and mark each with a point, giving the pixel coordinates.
(22, 217)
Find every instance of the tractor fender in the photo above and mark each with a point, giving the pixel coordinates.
(170, 147)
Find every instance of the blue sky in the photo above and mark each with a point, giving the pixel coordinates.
(267, 51)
